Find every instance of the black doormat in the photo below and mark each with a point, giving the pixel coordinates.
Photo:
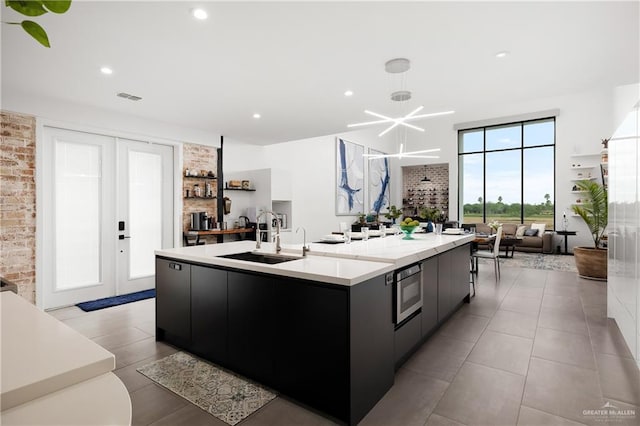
(108, 302)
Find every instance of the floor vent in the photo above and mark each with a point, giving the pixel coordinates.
(128, 96)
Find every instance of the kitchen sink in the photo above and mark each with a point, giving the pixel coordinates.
(250, 256)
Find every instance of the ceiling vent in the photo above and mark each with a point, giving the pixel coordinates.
(128, 96)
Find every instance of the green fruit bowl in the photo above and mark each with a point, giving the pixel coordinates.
(407, 230)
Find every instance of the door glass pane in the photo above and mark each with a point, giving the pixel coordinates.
(503, 186)
(471, 141)
(503, 137)
(145, 212)
(471, 182)
(540, 132)
(78, 183)
(538, 186)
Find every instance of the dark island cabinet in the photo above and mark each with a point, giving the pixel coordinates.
(429, 295)
(445, 278)
(173, 301)
(460, 274)
(252, 325)
(209, 313)
(312, 345)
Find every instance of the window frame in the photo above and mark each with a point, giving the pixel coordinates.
(484, 151)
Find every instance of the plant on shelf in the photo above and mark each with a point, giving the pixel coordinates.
(594, 209)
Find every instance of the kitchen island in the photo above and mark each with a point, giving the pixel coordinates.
(320, 329)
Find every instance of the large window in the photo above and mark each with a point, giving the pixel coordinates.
(507, 173)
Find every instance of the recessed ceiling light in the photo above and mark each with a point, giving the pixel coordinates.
(256, 115)
(348, 93)
(106, 70)
(502, 54)
(200, 14)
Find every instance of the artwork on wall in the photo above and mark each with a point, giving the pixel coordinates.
(379, 177)
(349, 178)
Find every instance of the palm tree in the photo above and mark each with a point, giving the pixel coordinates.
(594, 211)
(548, 202)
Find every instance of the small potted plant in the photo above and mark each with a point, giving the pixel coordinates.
(393, 214)
(594, 209)
(431, 215)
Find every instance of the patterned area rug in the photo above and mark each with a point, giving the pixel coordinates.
(552, 262)
(218, 392)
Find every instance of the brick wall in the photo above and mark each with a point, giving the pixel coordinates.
(198, 157)
(434, 193)
(18, 201)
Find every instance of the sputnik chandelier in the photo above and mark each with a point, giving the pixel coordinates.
(400, 66)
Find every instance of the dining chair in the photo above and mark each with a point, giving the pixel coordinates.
(492, 254)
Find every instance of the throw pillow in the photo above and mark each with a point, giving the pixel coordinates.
(531, 232)
(540, 227)
(520, 231)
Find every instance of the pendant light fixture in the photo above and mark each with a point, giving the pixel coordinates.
(400, 66)
(425, 178)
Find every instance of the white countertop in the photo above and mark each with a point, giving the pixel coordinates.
(343, 264)
(41, 355)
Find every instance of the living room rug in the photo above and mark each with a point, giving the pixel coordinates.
(551, 262)
(220, 393)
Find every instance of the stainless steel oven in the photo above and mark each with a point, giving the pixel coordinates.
(408, 292)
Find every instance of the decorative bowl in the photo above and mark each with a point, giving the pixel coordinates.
(407, 230)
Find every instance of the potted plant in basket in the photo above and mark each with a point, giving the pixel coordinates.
(592, 261)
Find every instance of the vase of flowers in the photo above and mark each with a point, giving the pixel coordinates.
(494, 225)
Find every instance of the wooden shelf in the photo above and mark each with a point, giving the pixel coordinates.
(200, 177)
(239, 189)
(200, 198)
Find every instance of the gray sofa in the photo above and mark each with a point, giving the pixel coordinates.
(538, 244)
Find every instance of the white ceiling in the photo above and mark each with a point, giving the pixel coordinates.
(292, 62)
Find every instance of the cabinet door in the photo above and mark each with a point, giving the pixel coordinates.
(312, 352)
(209, 313)
(251, 325)
(173, 299)
(429, 295)
(460, 269)
(444, 285)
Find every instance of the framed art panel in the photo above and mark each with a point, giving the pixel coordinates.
(349, 178)
(379, 183)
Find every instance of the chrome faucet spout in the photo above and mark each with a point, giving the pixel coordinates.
(305, 248)
(275, 216)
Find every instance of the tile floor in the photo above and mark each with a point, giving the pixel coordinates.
(534, 349)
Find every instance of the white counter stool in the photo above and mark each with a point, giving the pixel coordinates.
(492, 254)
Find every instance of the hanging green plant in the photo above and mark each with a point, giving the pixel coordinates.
(36, 8)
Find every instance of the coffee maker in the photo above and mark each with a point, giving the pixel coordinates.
(200, 221)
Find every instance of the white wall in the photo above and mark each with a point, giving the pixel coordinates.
(86, 116)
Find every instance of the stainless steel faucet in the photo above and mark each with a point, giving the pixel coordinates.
(305, 248)
(275, 216)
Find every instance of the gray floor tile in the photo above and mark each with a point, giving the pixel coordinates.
(281, 412)
(482, 395)
(514, 323)
(524, 291)
(142, 349)
(562, 303)
(619, 378)
(570, 321)
(152, 403)
(190, 415)
(562, 390)
(503, 351)
(532, 417)
(562, 277)
(66, 313)
(437, 420)
(608, 339)
(440, 357)
(523, 305)
(122, 337)
(465, 327)
(561, 288)
(561, 346)
(482, 306)
(409, 402)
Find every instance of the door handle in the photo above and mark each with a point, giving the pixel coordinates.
(122, 237)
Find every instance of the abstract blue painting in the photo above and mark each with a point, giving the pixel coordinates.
(379, 177)
(349, 178)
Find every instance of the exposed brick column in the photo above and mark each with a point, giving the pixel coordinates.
(18, 202)
(198, 157)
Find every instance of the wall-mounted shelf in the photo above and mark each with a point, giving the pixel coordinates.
(199, 177)
(199, 198)
(585, 155)
(583, 178)
(239, 189)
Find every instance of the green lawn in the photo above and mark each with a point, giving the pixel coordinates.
(477, 218)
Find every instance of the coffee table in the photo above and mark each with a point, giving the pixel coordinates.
(509, 242)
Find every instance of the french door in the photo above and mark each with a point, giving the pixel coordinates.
(107, 205)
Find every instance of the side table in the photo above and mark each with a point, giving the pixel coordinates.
(566, 235)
